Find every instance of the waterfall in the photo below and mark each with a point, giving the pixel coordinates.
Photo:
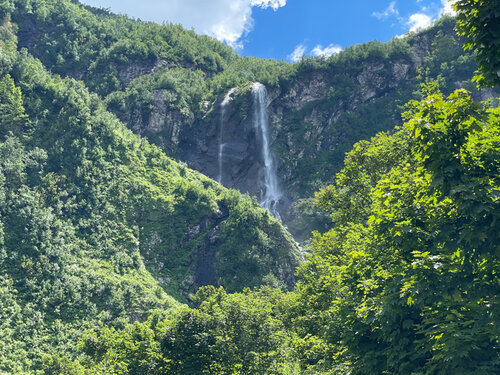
(272, 193)
(221, 155)
(223, 106)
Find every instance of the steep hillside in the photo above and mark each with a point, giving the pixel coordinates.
(168, 84)
(405, 282)
(318, 109)
(104, 238)
(96, 224)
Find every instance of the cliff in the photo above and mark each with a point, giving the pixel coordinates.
(171, 92)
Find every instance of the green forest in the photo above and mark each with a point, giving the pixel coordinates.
(117, 258)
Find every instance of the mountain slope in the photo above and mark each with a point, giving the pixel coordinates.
(168, 84)
(405, 278)
(97, 225)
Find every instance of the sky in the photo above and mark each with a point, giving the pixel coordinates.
(288, 29)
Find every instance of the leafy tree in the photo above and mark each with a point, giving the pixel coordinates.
(58, 365)
(12, 116)
(6, 6)
(406, 281)
(479, 23)
(226, 334)
(239, 333)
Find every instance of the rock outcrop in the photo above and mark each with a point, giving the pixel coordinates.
(316, 112)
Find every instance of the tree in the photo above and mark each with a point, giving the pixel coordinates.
(407, 280)
(12, 116)
(479, 23)
(237, 333)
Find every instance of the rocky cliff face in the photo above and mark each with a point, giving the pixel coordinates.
(227, 147)
(198, 141)
(314, 120)
(315, 114)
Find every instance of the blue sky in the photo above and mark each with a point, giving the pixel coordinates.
(288, 29)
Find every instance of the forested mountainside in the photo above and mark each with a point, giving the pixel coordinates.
(168, 85)
(106, 239)
(96, 224)
(406, 281)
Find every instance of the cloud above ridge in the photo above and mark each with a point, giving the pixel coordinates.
(226, 20)
(302, 50)
(421, 19)
(329, 50)
(389, 11)
(298, 53)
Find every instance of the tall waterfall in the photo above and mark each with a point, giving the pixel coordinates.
(223, 106)
(272, 193)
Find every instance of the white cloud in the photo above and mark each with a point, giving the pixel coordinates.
(226, 20)
(389, 11)
(419, 21)
(428, 15)
(275, 4)
(329, 50)
(301, 50)
(297, 53)
(447, 9)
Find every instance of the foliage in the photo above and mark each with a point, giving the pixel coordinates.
(304, 217)
(12, 116)
(238, 333)
(478, 22)
(406, 282)
(97, 225)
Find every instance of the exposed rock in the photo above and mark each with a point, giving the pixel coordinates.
(159, 112)
(400, 72)
(371, 79)
(303, 92)
(129, 71)
(241, 162)
(421, 48)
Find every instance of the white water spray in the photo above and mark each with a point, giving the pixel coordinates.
(223, 106)
(272, 192)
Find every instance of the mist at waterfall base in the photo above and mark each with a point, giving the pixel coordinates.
(270, 192)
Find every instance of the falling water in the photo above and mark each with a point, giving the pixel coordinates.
(221, 155)
(223, 106)
(272, 193)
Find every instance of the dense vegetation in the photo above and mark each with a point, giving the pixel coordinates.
(406, 282)
(136, 66)
(103, 237)
(479, 23)
(97, 225)
(100, 48)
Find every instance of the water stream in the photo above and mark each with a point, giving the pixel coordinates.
(223, 106)
(272, 193)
